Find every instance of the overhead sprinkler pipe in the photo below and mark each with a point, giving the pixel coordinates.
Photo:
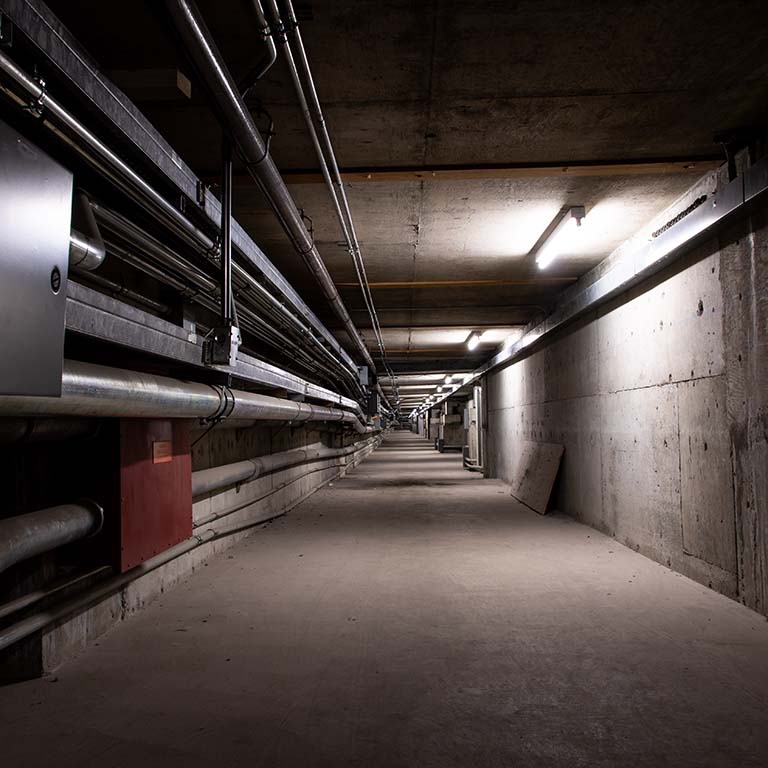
(237, 121)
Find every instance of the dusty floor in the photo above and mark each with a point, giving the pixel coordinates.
(412, 615)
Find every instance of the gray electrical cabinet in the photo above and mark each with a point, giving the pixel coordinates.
(35, 214)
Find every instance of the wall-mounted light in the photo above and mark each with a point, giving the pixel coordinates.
(438, 388)
(448, 379)
(557, 239)
(473, 341)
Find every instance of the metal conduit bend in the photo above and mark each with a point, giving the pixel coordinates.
(264, 64)
(237, 120)
(97, 390)
(86, 245)
(24, 536)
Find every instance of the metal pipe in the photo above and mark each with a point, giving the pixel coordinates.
(237, 120)
(25, 536)
(227, 301)
(114, 164)
(37, 595)
(96, 390)
(94, 152)
(312, 111)
(86, 245)
(207, 480)
(252, 321)
(153, 248)
(360, 454)
(118, 289)
(270, 56)
(278, 31)
(345, 221)
(166, 257)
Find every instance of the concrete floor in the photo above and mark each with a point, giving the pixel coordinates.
(412, 614)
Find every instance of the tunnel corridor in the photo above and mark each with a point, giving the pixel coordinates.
(383, 384)
(412, 614)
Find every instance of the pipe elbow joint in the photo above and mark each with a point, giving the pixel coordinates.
(86, 245)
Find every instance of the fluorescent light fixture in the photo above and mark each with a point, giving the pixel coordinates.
(566, 228)
(473, 341)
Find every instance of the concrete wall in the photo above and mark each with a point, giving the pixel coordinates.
(660, 401)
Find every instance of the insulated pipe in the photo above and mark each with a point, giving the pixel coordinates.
(32, 534)
(207, 480)
(97, 390)
(86, 245)
(237, 120)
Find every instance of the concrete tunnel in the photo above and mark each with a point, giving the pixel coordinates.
(383, 384)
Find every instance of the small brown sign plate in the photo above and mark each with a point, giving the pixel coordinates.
(162, 451)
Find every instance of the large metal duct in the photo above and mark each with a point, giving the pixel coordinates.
(97, 390)
(24, 536)
(237, 121)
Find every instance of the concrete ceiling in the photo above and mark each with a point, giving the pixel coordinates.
(480, 87)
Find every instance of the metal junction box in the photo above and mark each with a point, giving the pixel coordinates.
(35, 213)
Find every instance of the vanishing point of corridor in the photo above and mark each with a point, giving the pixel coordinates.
(412, 614)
